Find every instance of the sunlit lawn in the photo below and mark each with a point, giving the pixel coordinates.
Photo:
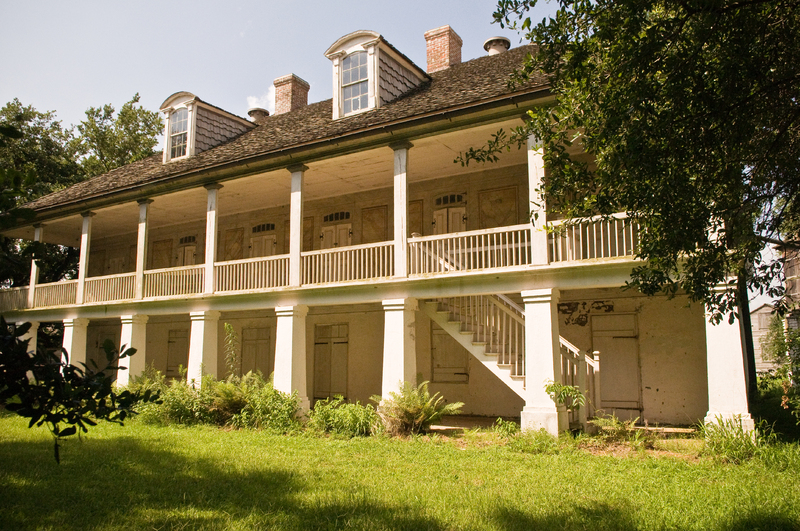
(144, 477)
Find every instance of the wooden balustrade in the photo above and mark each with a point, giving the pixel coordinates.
(175, 281)
(469, 251)
(593, 238)
(252, 274)
(582, 371)
(13, 299)
(110, 288)
(56, 293)
(356, 262)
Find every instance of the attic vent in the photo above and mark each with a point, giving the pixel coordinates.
(336, 216)
(187, 239)
(449, 199)
(264, 227)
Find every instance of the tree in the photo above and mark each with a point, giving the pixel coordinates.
(106, 142)
(43, 387)
(690, 111)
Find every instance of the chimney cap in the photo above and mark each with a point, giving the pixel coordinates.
(496, 45)
(257, 114)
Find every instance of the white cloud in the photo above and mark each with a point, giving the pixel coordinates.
(265, 101)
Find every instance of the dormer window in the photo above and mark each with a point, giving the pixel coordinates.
(355, 90)
(178, 133)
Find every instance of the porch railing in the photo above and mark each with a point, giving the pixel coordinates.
(583, 371)
(252, 273)
(356, 262)
(593, 238)
(56, 293)
(13, 299)
(110, 288)
(470, 251)
(170, 282)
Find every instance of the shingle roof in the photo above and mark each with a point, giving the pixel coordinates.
(469, 83)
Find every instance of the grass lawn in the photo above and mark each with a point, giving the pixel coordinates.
(161, 478)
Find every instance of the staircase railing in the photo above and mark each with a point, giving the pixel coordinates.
(583, 371)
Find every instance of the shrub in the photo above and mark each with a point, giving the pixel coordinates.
(534, 442)
(505, 428)
(151, 380)
(413, 409)
(612, 430)
(336, 416)
(565, 395)
(728, 441)
(182, 403)
(267, 408)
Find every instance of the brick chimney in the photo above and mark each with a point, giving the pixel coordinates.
(291, 93)
(444, 48)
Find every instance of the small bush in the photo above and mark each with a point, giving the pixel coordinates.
(336, 416)
(505, 428)
(728, 441)
(534, 442)
(413, 409)
(151, 380)
(181, 404)
(612, 430)
(268, 409)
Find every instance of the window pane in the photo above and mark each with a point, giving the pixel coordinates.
(347, 106)
(346, 77)
(364, 101)
(362, 72)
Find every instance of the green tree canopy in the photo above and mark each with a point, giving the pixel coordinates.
(690, 111)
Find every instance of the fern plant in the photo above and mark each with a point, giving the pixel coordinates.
(412, 410)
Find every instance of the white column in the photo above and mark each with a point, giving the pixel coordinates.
(536, 201)
(542, 361)
(134, 334)
(83, 260)
(211, 237)
(399, 344)
(203, 338)
(290, 352)
(37, 237)
(727, 390)
(74, 341)
(141, 246)
(31, 335)
(401, 208)
(296, 224)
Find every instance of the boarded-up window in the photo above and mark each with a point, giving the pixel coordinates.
(162, 254)
(97, 264)
(233, 245)
(498, 208)
(415, 217)
(374, 224)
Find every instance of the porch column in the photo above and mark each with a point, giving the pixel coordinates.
(296, 224)
(134, 334)
(542, 361)
(290, 352)
(727, 388)
(399, 344)
(211, 237)
(31, 335)
(75, 340)
(37, 237)
(83, 260)
(141, 246)
(536, 201)
(401, 208)
(202, 345)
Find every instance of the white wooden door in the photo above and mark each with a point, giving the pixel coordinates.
(186, 255)
(614, 337)
(256, 351)
(336, 235)
(263, 245)
(449, 220)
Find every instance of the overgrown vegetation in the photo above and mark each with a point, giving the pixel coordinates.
(337, 417)
(412, 410)
(729, 441)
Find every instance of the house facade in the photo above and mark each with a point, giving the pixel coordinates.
(350, 253)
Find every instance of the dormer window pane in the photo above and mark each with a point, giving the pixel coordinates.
(178, 128)
(354, 82)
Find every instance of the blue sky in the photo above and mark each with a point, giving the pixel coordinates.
(68, 56)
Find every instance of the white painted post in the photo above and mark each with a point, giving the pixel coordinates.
(296, 224)
(203, 338)
(401, 208)
(74, 341)
(399, 344)
(539, 249)
(37, 237)
(290, 352)
(727, 390)
(141, 246)
(211, 237)
(134, 334)
(542, 361)
(83, 259)
(582, 385)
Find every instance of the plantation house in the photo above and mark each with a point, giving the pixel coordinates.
(350, 253)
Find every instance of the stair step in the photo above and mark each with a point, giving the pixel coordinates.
(518, 377)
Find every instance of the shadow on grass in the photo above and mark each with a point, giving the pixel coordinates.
(596, 517)
(123, 484)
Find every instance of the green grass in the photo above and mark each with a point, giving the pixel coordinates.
(163, 478)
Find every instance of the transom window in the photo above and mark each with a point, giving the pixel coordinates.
(178, 129)
(354, 82)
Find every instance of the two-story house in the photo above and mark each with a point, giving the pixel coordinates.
(350, 253)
